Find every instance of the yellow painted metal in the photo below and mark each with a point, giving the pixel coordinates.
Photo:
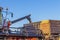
(45, 27)
(59, 37)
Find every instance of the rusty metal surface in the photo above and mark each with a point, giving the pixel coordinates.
(55, 26)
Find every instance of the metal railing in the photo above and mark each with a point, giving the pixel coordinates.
(25, 32)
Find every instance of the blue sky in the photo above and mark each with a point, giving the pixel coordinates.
(39, 9)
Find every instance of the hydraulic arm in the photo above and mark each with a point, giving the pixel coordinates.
(19, 19)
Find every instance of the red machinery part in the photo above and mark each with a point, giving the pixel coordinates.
(9, 23)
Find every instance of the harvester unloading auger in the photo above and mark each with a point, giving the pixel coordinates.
(4, 24)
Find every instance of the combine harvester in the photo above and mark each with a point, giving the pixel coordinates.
(6, 32)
